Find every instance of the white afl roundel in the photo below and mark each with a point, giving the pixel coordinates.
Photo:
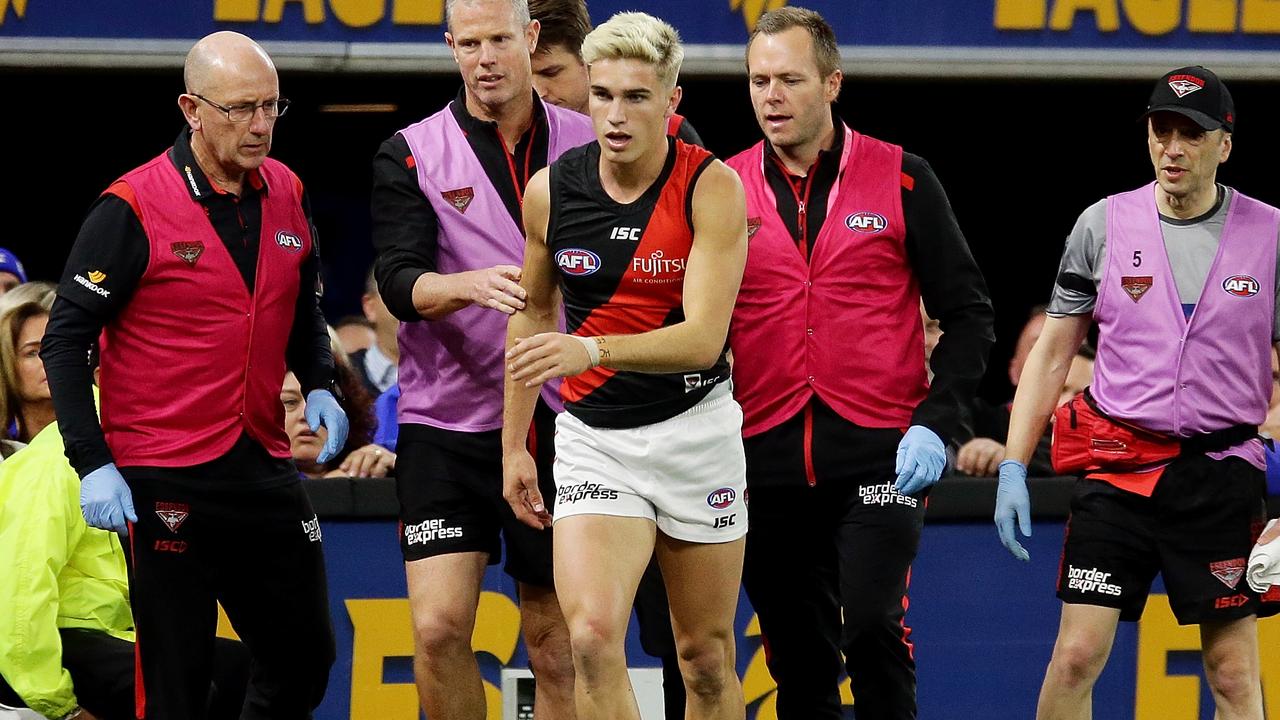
(576, 261)
(1241, 285)
(866, 222)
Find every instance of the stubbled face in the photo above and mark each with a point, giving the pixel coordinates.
(792, 99)
(304, 445)
(1185, 156)
(33, 386)
(560, 77)
(492, 50)
(629, 108)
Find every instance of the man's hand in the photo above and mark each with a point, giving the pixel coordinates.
(980, 457)
(535, 360)
(497, 288)
(105, 500)
(520, 488)
(323, 409)
(1013, 502)
(921, 460)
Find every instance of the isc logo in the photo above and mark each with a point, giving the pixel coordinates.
(866, 222)
(1241, 286)
(576, 261)
(622, 233)
(722, 498)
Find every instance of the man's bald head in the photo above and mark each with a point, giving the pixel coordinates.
(222, 57)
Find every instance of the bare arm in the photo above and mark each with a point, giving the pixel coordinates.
(1042, 380)
(436, 295)
(711, 281)
(538, 315)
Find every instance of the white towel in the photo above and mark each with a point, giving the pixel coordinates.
(1264, 563)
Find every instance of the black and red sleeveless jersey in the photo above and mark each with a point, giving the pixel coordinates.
(621, 270)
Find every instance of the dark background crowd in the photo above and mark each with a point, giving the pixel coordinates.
(1019, 159)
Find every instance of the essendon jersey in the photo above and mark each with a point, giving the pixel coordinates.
(621, 269)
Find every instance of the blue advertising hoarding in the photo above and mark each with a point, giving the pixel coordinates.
(983, 627)
(930, 35)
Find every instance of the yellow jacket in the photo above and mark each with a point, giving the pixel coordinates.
(55, 572)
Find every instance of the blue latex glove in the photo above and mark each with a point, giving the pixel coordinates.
(323, 409)
(921, 460)
(1013, 502)
(105, 500)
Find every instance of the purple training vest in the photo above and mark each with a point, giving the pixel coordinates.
(1184, 377)
(451, 369)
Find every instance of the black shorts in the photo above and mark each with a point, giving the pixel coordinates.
(450, 488)
(1196, 530)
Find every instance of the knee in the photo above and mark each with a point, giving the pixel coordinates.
(439, 634)
(1078, 661)
(550, 658)
(595, 642)
(706, 665)
(1233, 678)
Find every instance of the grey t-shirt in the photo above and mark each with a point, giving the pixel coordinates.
(1190, 244)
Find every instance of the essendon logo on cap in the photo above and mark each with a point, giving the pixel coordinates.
(459, 198)
(753, 225)
(1184, 85)
(1136, 285)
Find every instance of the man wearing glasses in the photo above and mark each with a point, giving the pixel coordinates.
(199, 271)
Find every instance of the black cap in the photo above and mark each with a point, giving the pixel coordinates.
(1196, 93)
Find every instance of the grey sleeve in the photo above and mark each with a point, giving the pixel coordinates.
(1075, 290)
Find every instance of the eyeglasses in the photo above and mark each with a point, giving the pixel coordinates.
(244, 112)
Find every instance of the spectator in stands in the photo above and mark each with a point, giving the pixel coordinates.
(66, 631)
(376, 365)
(25, 404)
(355, 333)
(12, 274)
(358, 458)
(982, 455)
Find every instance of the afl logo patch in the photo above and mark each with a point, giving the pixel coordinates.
(866, 222)
(576, 261)
(289, 241)
(722, 498)
(1241, 286)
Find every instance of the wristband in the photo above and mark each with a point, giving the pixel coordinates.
(593, 348)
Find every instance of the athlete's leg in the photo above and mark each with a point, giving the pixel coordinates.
(653, 615)
(546, 637)
(598, 563)
(702, 584)
(444, 592)
(1232, 667)
(1085, 636)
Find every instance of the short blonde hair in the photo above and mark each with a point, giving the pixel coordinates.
(637, 36)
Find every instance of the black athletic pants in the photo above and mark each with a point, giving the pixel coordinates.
(102, 669)
(843, 544)
(256, 550)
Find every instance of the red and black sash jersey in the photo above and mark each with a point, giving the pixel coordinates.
(621, 270)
